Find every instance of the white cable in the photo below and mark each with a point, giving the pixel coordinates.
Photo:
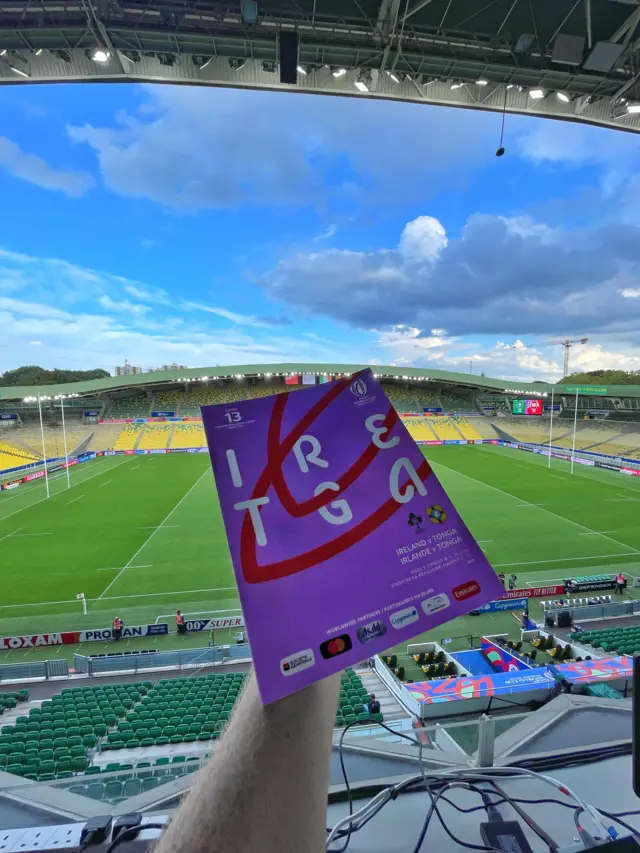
(469, 774)
(381, 798)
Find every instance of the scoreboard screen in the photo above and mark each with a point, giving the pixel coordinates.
(526, 407)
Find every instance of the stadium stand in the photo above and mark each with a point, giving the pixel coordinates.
(353, 697)
(267, 390)
(129, 407)
(483, 426)
(411, 400)
(12, 455)
(619, 641)
(466, 428)
(454, 403)
(177, 711)
(196, 397)
(167, 401)
(535, 430)
(445, 429)
(62, 736)
(155, 436)
(419, 429)
(104, 436)
(235, 393)
(128, 437)
(188, 435)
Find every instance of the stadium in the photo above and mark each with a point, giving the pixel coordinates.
(109, 503)
(126, 656)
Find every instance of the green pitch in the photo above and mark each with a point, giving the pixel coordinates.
(141, 536)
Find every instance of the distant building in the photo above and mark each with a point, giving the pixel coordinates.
(127, 369)
(165, 367)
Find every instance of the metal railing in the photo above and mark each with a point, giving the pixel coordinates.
(38, 670)
(181, 659)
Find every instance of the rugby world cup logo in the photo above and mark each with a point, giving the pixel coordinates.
(359, 388)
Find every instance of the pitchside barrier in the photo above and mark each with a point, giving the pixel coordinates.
(181, 659)
(598, 611)
(37, 671)
(622, 464)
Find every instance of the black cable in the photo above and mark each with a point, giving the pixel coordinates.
(369, 721)
(539, 831)
(130, 834)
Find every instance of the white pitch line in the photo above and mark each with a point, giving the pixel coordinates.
(164, 527)
(564, 560)
(120, 568)
(81, 483)
(150, 537)
(154, 594)
(618, 500)
(102, 485)
(596, 533)
(13, 533)
(548, 511)
(527, 504)
(33, 534)
(484, 541)
(75, 499)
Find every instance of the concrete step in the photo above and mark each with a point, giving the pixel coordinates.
(389, 705)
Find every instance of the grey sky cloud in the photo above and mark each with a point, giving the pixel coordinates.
(35, 170)
(195, 148)
(500, 276)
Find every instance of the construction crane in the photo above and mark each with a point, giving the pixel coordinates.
(566, 344)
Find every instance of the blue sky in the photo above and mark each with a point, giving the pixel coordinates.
(211, 226)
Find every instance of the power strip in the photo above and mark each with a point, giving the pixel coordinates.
(67, 838)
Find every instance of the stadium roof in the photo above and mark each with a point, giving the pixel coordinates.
(571, 59)
(195, 374)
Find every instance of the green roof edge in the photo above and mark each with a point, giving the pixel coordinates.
(116, 383)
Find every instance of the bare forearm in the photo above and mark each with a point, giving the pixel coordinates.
(265, 790)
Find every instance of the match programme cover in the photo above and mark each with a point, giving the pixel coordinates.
(343, 541)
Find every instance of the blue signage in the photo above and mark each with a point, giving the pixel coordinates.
(162, 414)
(91, 413)
(499, 606)
(5, 416)
(433, 409)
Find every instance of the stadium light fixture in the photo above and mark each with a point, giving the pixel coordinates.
(482, 82)
(100, 55)
(38, 51)
(562, 97)
(301, 70)
(393, 76)
(457, 85)
(3, 52)
(633, 109)
(536, 94)
(509, 86)
(361, 86)
(338, 72)
(19, 71)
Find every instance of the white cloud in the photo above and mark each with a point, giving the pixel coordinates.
(423, 239)
(107, 327)
(500, 276)
(123, 305)
(326, 235)
(630, 293)
(190, 148)
(35, 170)
(240, 319)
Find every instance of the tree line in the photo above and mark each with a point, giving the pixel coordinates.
(31, 374)
(603, 377)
